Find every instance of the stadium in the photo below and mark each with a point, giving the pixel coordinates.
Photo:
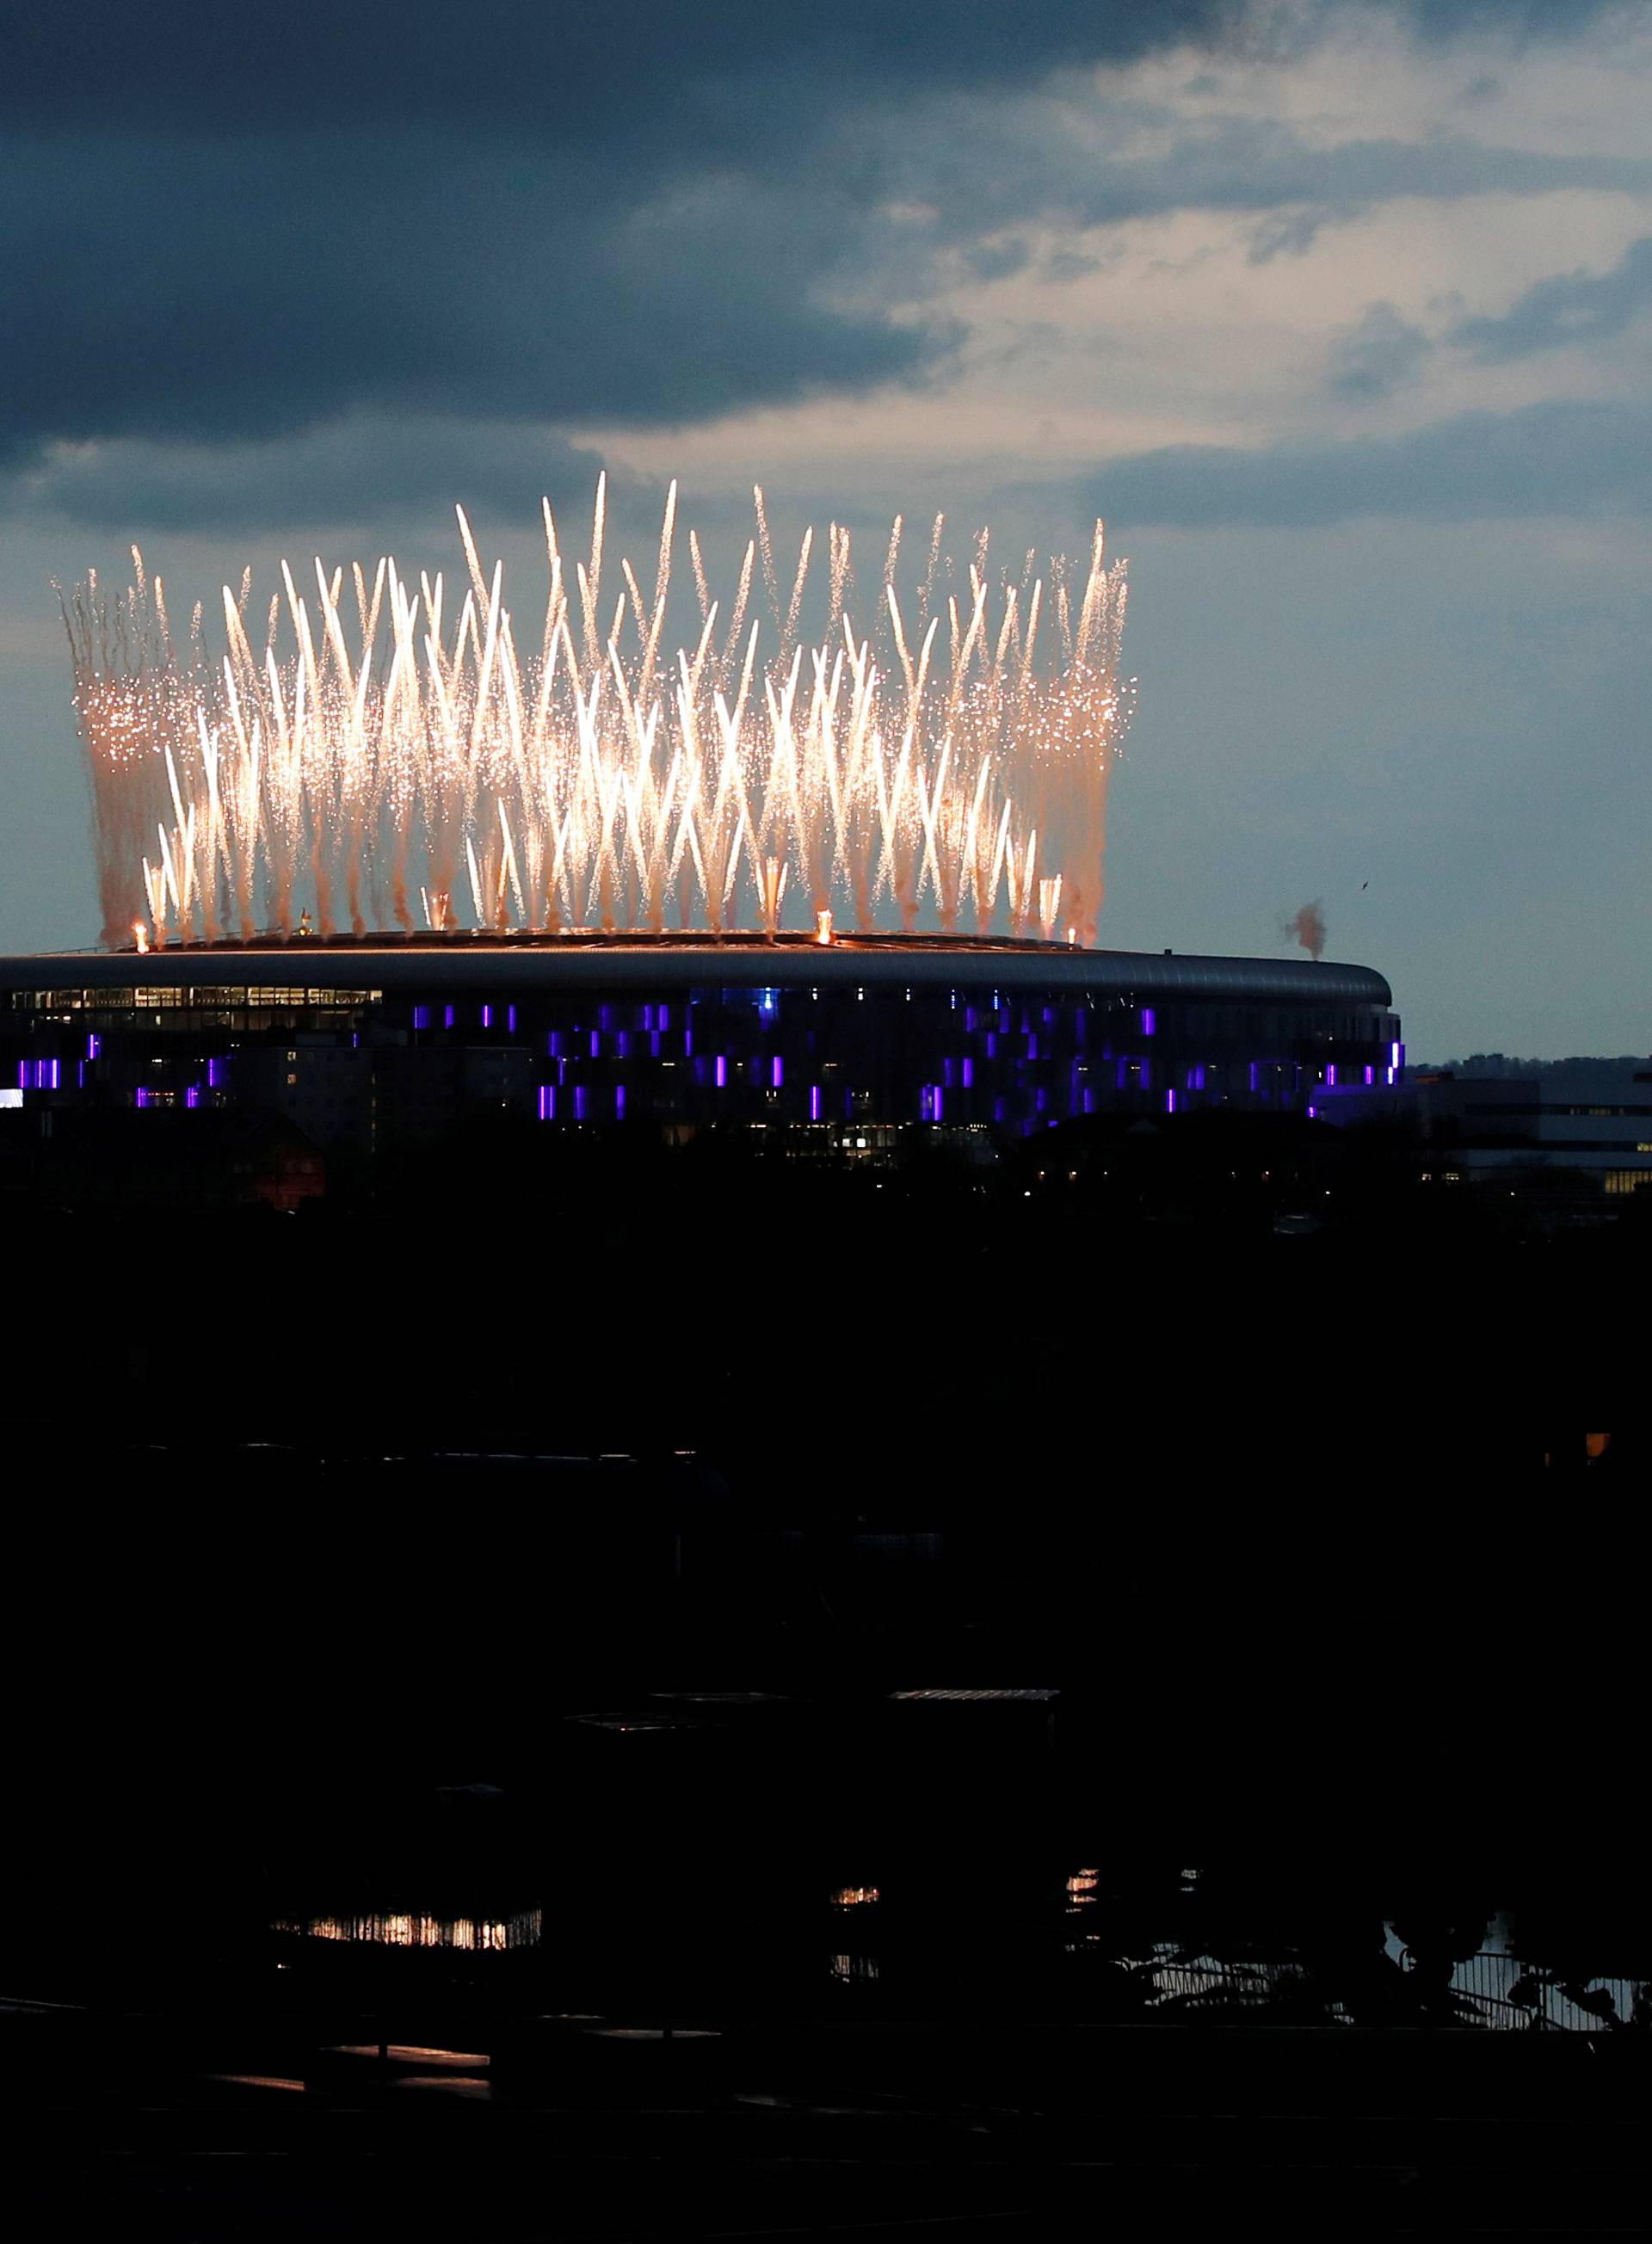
(840, 1044)
(926, 765)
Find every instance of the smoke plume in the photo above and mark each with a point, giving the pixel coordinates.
(1307, 928)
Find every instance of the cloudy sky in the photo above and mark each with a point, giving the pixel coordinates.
(1338, 310)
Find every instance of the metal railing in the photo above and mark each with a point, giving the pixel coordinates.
(1490, 1989)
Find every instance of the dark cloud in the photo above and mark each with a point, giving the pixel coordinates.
(1380, 354)
(349, 473)
(555, 71)
(225, 223)
(227, 227)
(564, 72)
(992, 165)
(264, 293)
(1568, 308)
(1552, 458)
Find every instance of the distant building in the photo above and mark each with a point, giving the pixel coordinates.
(1591, 1120)
(1594, 1120)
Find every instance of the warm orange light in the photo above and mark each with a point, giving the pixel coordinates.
(141, 934)
(823, 927)
(1597, 1444)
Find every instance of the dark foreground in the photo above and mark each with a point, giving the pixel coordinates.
(209, 2129)
(555, 1572)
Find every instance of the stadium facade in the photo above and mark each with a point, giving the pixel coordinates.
(840, 1047)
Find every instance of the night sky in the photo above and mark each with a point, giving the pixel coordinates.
(1338, 312)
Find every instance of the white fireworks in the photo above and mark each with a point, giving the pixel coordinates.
(382, 752)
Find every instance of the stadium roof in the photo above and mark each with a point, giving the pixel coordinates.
(513, 966)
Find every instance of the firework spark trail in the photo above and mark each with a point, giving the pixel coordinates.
(392, 745)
